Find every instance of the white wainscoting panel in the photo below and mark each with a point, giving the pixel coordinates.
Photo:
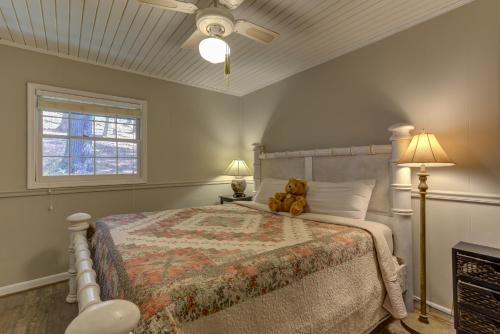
(448, 222)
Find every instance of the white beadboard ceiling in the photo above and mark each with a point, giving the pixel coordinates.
(126, 35)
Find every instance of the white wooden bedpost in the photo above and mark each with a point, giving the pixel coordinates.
(78, 224)
(95, 317)
(401, 205)
(257, 176)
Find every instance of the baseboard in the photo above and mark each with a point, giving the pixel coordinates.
(27, 285)
(436, 306)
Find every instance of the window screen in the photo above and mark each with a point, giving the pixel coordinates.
(76, 143)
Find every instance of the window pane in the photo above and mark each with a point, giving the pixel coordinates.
(105, 119)
(81, 128)
(55, 114)
(85, 117)
(55, 166)
(127, 166)
(82, 166)
(105, 166)
(55, 147)
(105, 129)
(125, 131)
(105, 149)
(55, 126)
(82, 148)
(127, 149)
(126, 120)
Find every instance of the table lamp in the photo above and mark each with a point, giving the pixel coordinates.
(424, 151)
(239, 169)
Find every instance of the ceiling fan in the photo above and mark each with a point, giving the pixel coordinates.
(213, 24)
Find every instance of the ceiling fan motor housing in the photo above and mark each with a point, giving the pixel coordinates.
(215, 21)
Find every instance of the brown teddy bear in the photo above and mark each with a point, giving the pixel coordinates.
(293, 200)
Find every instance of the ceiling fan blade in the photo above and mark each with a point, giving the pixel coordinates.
(193, 40)
(178, 6)
(231, 4)
(255, 32)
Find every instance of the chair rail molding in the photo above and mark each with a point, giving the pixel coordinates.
(92, 189)
(459, 196)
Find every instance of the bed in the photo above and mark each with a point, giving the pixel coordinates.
(239, 268)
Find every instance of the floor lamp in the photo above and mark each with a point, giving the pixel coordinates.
(424, 151)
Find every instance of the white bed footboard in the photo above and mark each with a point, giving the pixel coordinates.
(95, 317)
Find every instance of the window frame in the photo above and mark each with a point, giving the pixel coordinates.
(34, 174)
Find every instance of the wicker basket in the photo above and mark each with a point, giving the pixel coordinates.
(479, 270)
(477, 323)
(479, 297)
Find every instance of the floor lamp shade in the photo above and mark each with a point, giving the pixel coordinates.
(423, 151)
(239, 169)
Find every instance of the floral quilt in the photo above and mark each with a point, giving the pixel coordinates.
(180, 265)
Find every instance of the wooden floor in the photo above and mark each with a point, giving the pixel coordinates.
(41, 310)
(44, 311)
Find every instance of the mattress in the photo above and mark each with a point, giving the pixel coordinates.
(198, 269)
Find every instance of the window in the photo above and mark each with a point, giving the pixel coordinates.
(79, 138)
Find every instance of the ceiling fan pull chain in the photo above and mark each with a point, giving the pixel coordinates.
(227, 66)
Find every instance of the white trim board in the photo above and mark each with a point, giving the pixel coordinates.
(36, 283)
(457, 196)
(436, 306)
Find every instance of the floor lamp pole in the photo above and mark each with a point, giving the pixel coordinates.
(424, 151)
(419, 322)
(422, 189)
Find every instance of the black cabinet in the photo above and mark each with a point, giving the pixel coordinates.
(476, 289)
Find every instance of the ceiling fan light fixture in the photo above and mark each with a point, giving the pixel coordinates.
(213, 50)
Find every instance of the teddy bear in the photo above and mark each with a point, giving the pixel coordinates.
(293, 200)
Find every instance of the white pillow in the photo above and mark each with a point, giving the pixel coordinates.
(345, 199)
(268, 187)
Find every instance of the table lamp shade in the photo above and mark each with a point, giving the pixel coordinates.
(237, 168)
(425, 150)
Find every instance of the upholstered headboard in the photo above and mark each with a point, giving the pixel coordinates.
(391, 199)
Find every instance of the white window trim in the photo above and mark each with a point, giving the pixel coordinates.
(34, 145)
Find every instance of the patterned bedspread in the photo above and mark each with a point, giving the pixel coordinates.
(179, 265)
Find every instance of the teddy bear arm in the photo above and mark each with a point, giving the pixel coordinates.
(288, 202)
(274, 204)
(301, 200)
(280, 196)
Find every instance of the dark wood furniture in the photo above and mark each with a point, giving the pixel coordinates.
(230, 198)
(476, 289)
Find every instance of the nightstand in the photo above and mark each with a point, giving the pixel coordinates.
(230, 198)
(476, 288)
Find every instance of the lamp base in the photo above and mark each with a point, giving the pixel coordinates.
(238, 185)
(415, 326)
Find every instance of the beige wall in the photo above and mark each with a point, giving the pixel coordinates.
(442, 75)
(192, 136)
